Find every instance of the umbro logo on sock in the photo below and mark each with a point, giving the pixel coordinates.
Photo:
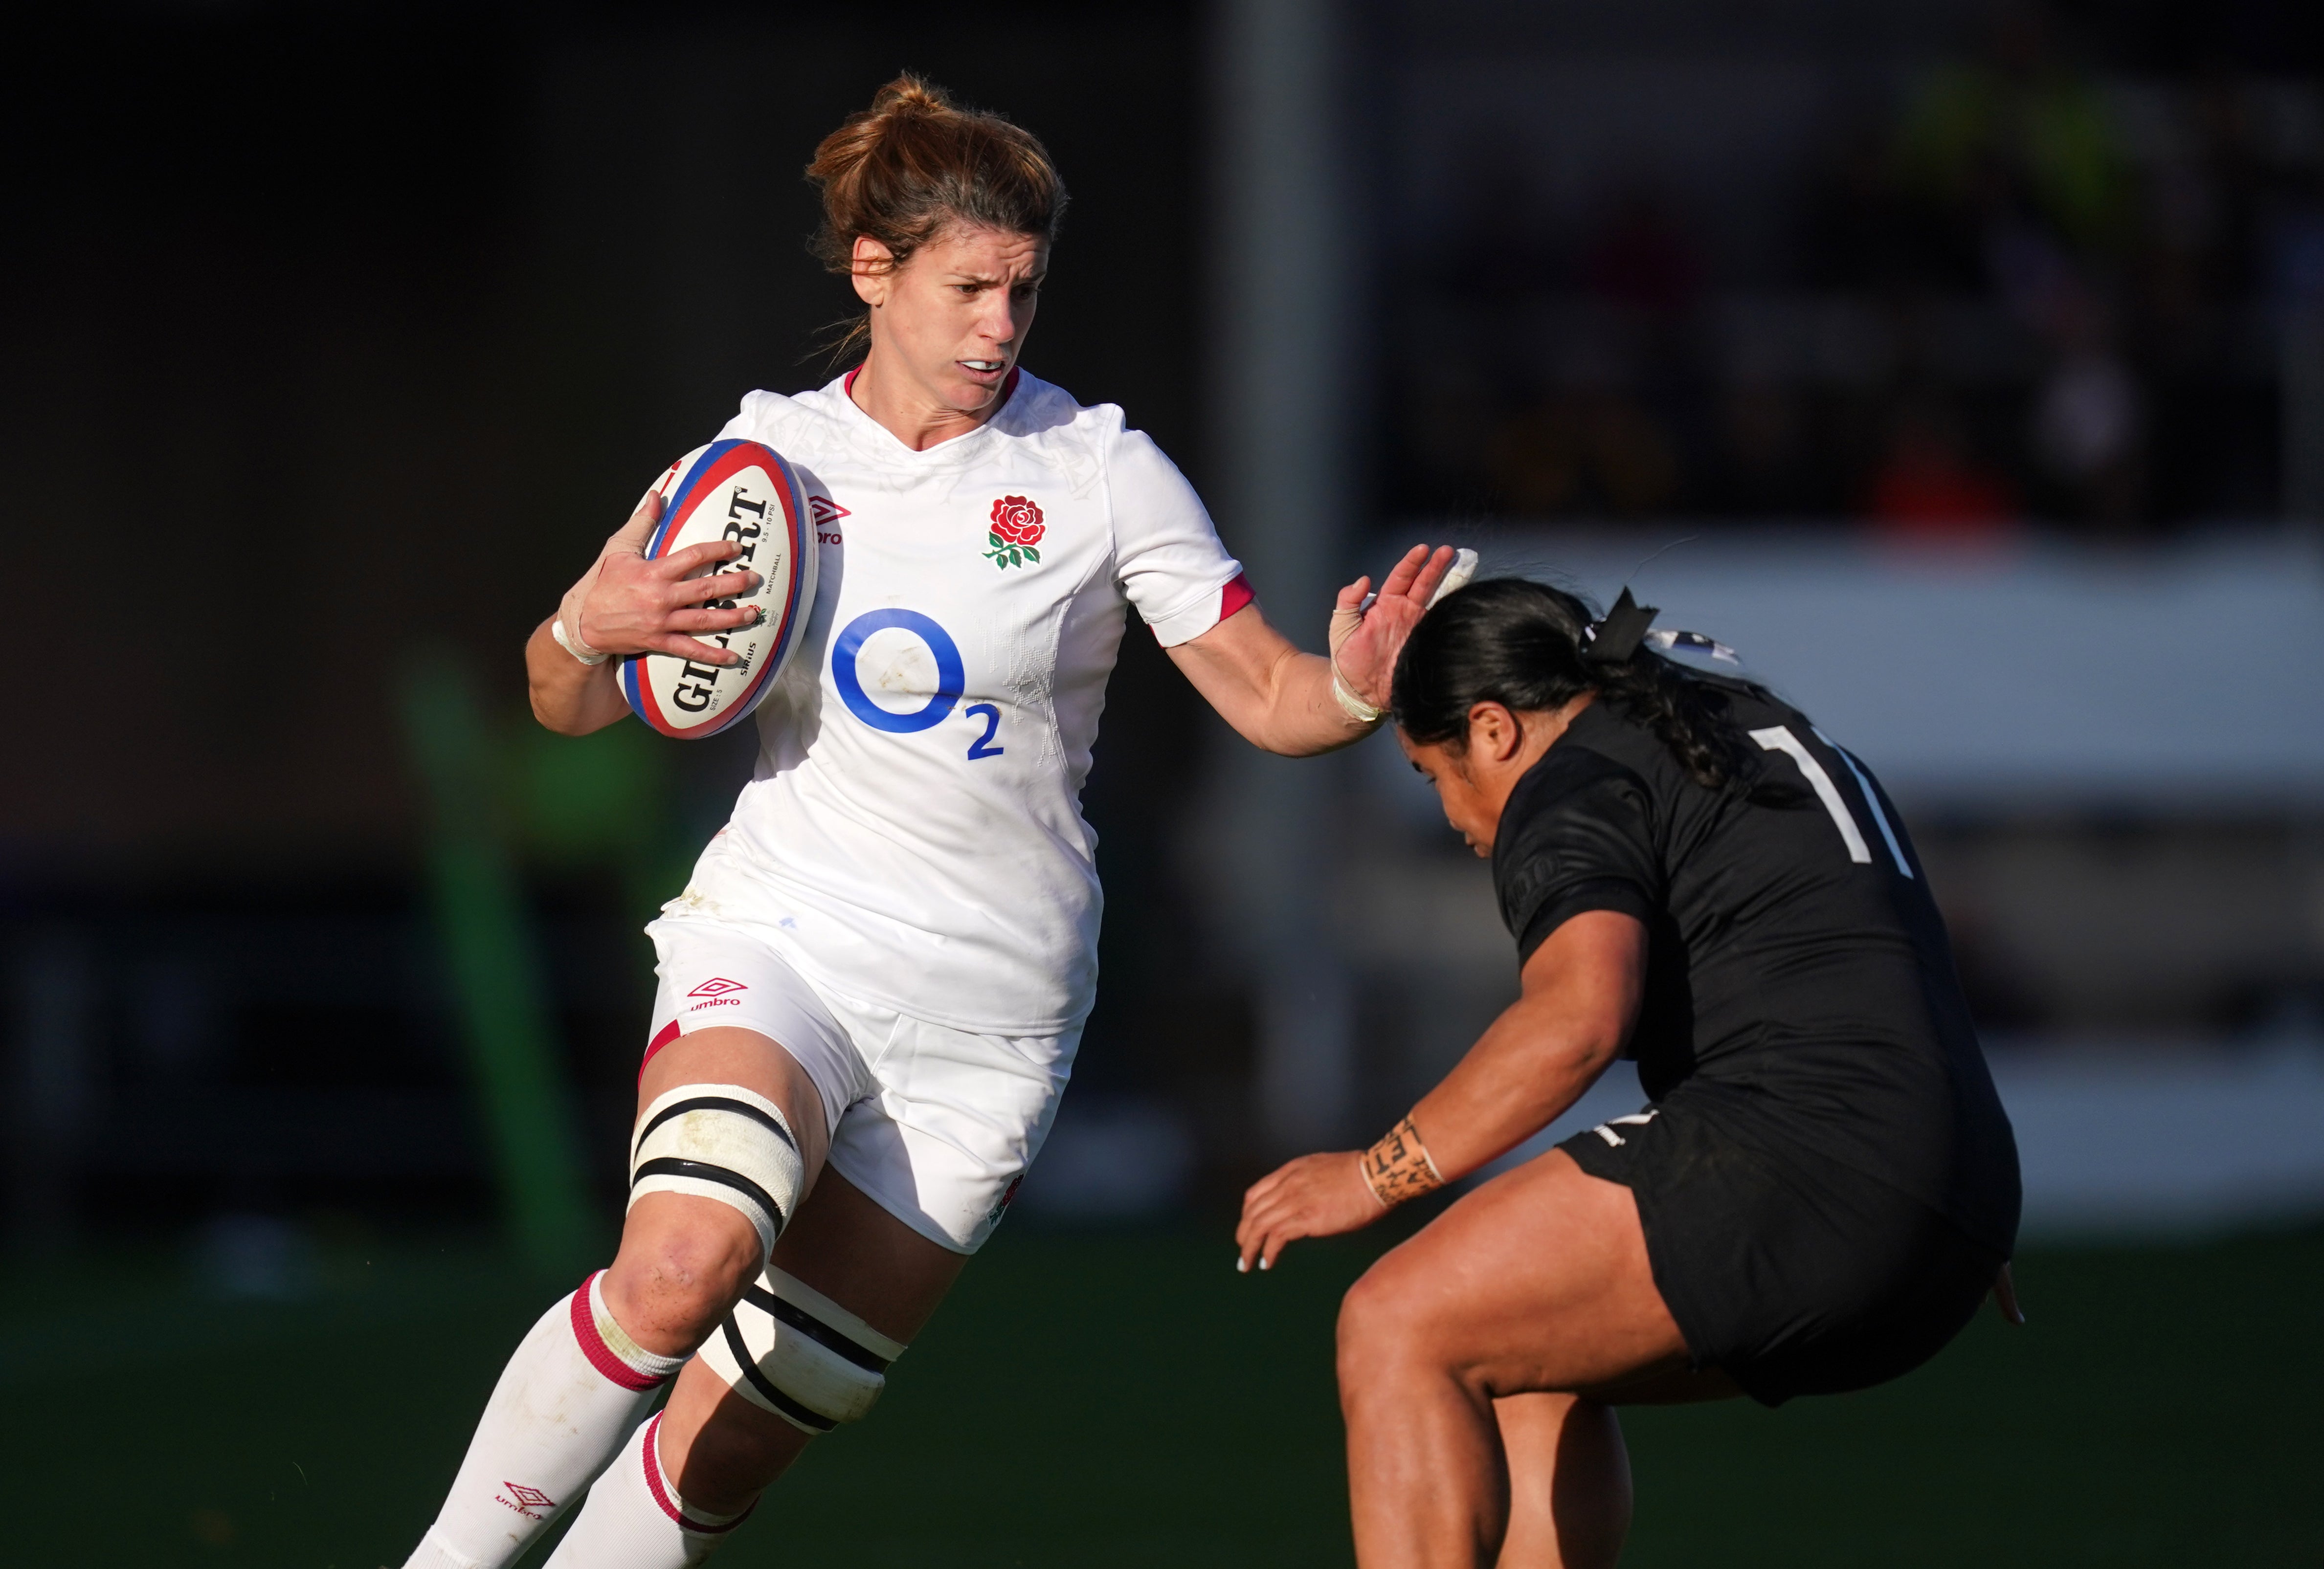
(525, 1500)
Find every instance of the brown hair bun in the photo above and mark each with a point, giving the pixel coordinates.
(915, 162)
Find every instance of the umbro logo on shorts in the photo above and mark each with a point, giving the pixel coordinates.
(717, 986)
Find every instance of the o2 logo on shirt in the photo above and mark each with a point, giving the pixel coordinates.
(901, 664)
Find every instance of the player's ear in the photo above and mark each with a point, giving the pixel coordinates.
(1494, 733)
(873, 266)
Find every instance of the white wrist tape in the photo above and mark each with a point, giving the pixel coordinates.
(572, 644)
(1353, 705)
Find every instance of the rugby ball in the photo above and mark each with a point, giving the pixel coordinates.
(744, 492)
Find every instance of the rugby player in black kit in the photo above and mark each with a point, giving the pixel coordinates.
(1824, 1186)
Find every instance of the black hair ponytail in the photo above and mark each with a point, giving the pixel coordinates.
(1519, 643)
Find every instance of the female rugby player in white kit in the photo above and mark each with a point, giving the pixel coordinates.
(873, 988)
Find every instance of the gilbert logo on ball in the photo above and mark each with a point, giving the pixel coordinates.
(744, 492)
(1015, 529)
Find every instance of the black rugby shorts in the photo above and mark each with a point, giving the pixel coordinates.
(1792, 1275)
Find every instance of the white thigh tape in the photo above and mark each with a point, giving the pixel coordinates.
(807, 1299)
(720, 1142)
(792, 1350)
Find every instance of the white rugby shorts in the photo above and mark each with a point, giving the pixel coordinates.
(936, 1126)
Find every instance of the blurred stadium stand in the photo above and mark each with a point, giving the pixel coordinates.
(1938, 266)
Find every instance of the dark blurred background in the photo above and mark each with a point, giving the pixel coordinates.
(1930, 267)
(1964, 362)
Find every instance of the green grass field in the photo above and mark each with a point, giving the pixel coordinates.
(1127, 1400)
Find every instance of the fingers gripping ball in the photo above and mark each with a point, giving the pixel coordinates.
(742, 492)
(788, 1349)
(724, 1142)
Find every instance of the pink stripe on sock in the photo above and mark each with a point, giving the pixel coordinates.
(654, 1472)
(661, 1494)
(600, 1355)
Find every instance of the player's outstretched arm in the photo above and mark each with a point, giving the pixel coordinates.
(625, 604)
(1582, 993)
(1279, 699)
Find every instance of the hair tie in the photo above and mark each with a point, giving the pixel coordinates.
(1614, 636)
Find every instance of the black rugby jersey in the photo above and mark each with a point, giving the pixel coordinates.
(1797, 966)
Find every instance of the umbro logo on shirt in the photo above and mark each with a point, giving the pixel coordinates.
(1016, 527)
(717, 986)
(825, 514)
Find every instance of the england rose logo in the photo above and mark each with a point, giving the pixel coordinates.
(1016, 529)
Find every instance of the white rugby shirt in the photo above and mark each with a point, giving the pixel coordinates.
(913, 835)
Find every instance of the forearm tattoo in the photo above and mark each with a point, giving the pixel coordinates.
(1398, 1167)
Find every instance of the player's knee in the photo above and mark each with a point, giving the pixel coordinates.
(793, 1351)
(1381, 1325)
(730, 1152)
(680, 1268)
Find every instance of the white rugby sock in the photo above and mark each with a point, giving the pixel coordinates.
(573, 1390)
(634, 1519)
